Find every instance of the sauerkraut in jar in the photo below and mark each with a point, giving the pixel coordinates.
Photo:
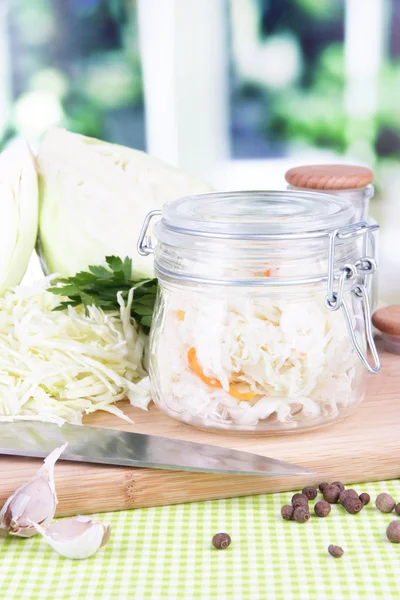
(262, 318)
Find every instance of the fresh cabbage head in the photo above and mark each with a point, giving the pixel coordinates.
(19, 213)
(94, 197)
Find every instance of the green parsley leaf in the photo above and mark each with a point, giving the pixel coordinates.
(100, 285)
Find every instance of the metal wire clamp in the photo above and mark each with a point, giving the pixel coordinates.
(360, 271)
(144, 244)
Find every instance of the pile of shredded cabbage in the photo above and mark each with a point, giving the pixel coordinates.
(56, 366)
(295, 357)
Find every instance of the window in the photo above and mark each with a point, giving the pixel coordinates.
(236, 91)
(73, 64)
(287, 76)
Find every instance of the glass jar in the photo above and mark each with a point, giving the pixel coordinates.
(262, 314)
(350, 182)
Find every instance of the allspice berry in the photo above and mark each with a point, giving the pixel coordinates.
(322, 486)
(331, 494)
(385, 503)
(322, 508)
(310, 492)
(335, 551)
(397, 509)
(287, 512)
(221, 541)
(300, 500)
(393, 532)
(301, 514)
(365, 498)
(347, 494)
(339, 484)
(353, 505)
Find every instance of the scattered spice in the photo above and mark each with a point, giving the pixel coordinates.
(353, 505)
(385, 503)
(347, 494)
(221, 541)
(339, 485)
(331, 494)
(301, 514)
(310, 492)
(365, 498)
(300, 500)
(287, 512)
(352, 502)
(335, 551)
(322, 508)
(393, 532)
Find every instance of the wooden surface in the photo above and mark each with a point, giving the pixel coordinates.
(363, 447)
(329, 177)
(387, 320)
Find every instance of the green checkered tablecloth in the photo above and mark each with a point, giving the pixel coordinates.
(166, 553)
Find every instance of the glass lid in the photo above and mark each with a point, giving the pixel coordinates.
(247, 213)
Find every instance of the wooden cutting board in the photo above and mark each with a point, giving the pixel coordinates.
(363, 447)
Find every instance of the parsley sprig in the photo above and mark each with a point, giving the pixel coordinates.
(100, 285)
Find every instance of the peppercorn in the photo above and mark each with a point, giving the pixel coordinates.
(385, 503)
(300, 500)
(322, 486)
(335, 551)
(287, 512)
(221, 541)
(301, 514)
(348, 494)
(322, 508)
(310, 492)
(397, 509)
(393, 532)
(365, 498)
(331, 494)
(353, 505)
(339, 484)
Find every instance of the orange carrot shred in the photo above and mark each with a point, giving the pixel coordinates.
(196, 368)
(240, 395)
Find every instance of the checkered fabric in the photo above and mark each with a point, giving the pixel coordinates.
(166, 553)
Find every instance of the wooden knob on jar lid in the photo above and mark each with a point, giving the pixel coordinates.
(329, 177)
(387, 321)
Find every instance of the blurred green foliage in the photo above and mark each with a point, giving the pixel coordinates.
(80, 59)
(76, 64)
(319, 9)
(315, 115)
(310, 110)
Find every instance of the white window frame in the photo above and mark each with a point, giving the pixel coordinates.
(185, 73)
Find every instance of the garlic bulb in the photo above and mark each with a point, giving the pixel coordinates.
(76, 537)
(34, 501)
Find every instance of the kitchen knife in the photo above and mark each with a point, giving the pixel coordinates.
(114, 447)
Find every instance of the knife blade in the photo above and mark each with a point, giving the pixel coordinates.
(115, 447)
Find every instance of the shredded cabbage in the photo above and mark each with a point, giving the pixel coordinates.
(56, 366)
(293, 358)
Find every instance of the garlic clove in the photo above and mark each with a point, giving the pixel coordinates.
(106, 536)
(76, 537)
(35, 501)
